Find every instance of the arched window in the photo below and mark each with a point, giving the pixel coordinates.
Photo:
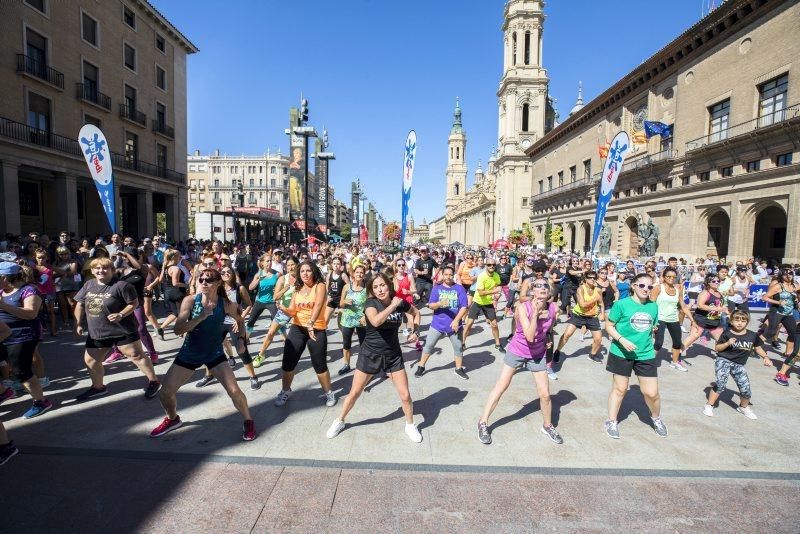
(525, 113)
(527, 48)
(458, 152)
(514, 49)
(451, 152)
(272, 169)
(456, 189)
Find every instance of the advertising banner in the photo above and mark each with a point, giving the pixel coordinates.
(408, 175)
(297, 173)
(617, 151)
(98, 158)
(355, 208)
(321, 171)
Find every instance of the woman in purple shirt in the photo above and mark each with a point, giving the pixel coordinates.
(527, 350)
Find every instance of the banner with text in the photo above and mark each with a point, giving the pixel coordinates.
(297, 182)
(408, 175)
(617, 151)
(98, 158)
(321, 171)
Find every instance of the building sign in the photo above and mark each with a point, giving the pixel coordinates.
(297, 181)
(321, 170)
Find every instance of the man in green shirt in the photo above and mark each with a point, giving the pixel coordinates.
(630, 325)
(487, 293)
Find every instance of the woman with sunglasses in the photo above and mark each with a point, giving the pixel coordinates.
(264, 284)
(630, 326)
(781, 295)
(284, 290)
(464, 276)
(171, 278)
(403, 284)
(381, 352)
(585, 314)
(202, 318)
(527, 350)
(307, 330)
(66, 269)
(352, 319)
(668, 296)
(335, 282)
(708, 313)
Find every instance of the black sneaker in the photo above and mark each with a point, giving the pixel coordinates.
(596, 358)
(420, 371)
(206, 380)
(8, 451)
(500, 348)
(254, 383)
(483, 433)
(232, 362)
(152, 389)
(461, 372)
(345, 369)
(556, 356)
(552, 433)
(91, 393)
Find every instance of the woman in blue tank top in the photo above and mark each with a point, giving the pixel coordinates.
(202, 319)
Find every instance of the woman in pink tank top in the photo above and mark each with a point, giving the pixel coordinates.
(527, 350)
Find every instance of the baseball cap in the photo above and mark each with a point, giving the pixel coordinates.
(8, 268)
(423, 247)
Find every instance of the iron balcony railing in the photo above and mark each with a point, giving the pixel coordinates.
(22, 132)
(132, 114)
(582, 182)
(664, 155)
(162, 128)
(764, 121)
(39, 69)
(89, 93)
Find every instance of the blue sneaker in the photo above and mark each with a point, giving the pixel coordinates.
(38, 408)
(249, 330)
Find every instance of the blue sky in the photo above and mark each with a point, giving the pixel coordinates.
(374, 69)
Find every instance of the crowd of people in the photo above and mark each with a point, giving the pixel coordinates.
(214, 296)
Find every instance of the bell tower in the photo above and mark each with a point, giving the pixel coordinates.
(522, 102)
(456, 161)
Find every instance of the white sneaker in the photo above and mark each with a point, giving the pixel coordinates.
(412, 433)
(583, 336)
(678, 366)
(282, 397)
(551, 374)
(44, 382)
(684, 329)
(747, 411)
(336, 428)
(330, 399)
(708, 410)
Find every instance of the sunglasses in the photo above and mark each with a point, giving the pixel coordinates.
(226, 273)
(401, 264)
(714, 281)
(490, 264)
(591, 278)
(669, 277)
(210, 264)
(644, 286)
(540, 286)
(206, 281)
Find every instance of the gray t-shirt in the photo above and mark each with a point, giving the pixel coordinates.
(100, 300)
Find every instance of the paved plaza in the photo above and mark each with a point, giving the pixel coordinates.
(93, 467)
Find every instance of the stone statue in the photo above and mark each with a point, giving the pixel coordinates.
(604, 240)
(648, 237)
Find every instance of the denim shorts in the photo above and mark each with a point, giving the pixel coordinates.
(518, 362)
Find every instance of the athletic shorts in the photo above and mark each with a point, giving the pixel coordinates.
(281, 318)
(333, 301)
(591, 323)
(371, 363)
(488, 311)
(107, 343)
(693, 294)
(518, 362)
(192, 366)
(623, 366)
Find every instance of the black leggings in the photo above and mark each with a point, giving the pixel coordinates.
(347, 336)
(296, 341)
(245, 356)
(20, 358)
(568, 292)
(258, 309)
(674, 332)
(774, 320)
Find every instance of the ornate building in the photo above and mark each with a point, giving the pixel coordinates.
(726, 183)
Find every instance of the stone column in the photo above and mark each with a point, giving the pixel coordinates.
(182, 210)
(172, 217)
(792, 249)
(10, 220)
(67, 195)
(144, 213)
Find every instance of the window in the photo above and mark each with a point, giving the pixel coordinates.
(91, 78)
(38, 5)
(193, 197)
(161, 78)
(640, 190)
(549, 183)
(38, 112)
(653, 187)
(252, 182)
(573, 173)
(201, 184)
(285, 171)
(131, 149)
(260, 169)
(772, 101)
(560, 178)
(704, 176)
(458, 152)
(192, 183)
(587, 169)
(88, 119)
(261, 182)
(89, 30)
(783, 159)
(718, 121)
(726, 172)
(616, 194)
(524, 202)
(130, 57)
(216, 182)
(685, 180)
(525, 120)
(161, 43)
(161, 157)
(129, 17)
(36, 49)
(666, 144)
(161, 114)
(272, 170)
(514, 49)
(273, 183)
(130, 99)
(456, 190)
(667, 184)
(234, 170)
(541, 186)
(627, 193)
(753, 166)
(527, 50)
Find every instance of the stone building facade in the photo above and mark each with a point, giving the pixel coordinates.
(727, 183)
(120, 65)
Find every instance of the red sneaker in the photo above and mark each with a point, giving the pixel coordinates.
(154, 357)
(167, 425)
(249, 433)
(114, 357)
(7, 394)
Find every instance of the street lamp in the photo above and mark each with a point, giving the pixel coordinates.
(324, 157)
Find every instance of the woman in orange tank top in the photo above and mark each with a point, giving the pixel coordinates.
(307, 329)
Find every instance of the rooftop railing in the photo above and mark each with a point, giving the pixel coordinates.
(759, 123)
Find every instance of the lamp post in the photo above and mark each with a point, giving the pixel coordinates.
(322, 178)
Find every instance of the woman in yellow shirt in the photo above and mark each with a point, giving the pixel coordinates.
(585, 313)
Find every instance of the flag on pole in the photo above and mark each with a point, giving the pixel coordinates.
(608, 180)
(408, 175)
(651, 129)
(98, 158)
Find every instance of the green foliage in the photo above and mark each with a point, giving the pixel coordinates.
(557, 237)
(345, 230)
(548, 228)
(161, 223)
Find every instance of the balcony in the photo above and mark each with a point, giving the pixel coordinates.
(67, 145)
(571, 186)
(658, 157)
(89, 93)
(162, 128)
(131, 114)
(38, 69)
(750, 127)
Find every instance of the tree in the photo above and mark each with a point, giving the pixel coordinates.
(345, 230)
(557, 237)
(391, 232)
(548, 227)
(161, 223)
(191, 226)
(516, 237)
